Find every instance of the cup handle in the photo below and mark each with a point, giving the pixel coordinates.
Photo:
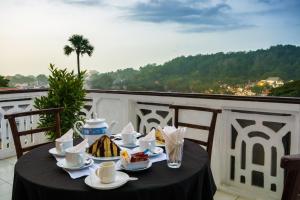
(99, 172)
(80, 158)
(61, 147)
(76, 129)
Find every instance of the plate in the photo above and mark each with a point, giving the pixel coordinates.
(54, 152)
(134, 170)
(63, 164)
(157, 143)
(118, 135)
(94, 182)
(120, 143)
(157, 151)
(103, 158)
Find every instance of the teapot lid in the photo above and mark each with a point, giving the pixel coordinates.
(95, 121)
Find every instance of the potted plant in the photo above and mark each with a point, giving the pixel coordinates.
(65, 90)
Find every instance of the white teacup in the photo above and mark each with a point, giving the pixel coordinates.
(129, 138)
(145, 144)
(75, 159)
(61, 146)
(107, 172)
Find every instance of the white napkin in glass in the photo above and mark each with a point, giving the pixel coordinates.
(66, 137)
(79, 147)
(128, 129)
(172, 136)
(150, 136)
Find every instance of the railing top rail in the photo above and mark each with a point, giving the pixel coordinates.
(22, 91)
(270, 99)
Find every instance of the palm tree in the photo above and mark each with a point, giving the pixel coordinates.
(80, 45)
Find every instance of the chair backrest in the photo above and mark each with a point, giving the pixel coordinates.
(211, 128)
(17, 134)
(291, 189)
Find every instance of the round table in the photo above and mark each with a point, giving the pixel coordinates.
(38, 178)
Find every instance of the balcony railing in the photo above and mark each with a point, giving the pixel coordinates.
(252, 133)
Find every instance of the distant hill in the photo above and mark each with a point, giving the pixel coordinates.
(202, 72)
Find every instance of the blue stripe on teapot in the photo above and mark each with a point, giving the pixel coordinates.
(93, 128)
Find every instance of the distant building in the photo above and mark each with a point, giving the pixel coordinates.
(275, 81)
(271, 81)
(22, 85)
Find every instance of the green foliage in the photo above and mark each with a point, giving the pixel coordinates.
(291, 89)
(204, 72)
(65, 90)
(42, 80)
(3, 81)
(259, 89)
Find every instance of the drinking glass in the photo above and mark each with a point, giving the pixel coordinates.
(174, 154)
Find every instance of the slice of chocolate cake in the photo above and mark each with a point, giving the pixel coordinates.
(104, 147)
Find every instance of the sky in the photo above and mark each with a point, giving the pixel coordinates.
(133, 33)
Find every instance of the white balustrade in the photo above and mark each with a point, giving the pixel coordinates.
(250, 137)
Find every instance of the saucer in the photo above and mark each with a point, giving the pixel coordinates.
(63, 164)
(118, 135)
(54, 152)
(157, 143)
(94, 181)
(157, 151)
(134, 170)
(120, 143)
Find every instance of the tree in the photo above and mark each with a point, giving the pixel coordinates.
(3, 81)
(80, 46)
(291, 89)
(42, 80)
(65, 90)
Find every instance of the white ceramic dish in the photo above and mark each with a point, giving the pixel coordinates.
(118, 135)
(63, 164)
(134, 167)
(54, 152)
(158, 144)
(94, 181)
(107, 158)
(103, 158)
(120, 143)
(157, 151)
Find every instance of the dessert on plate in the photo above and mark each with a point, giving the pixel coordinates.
(135, 161)
(159, 137)
(104, 147)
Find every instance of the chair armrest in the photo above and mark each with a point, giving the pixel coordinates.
(290, 162)
(35, 112)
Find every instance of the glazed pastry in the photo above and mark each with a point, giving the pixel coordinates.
(104, 147)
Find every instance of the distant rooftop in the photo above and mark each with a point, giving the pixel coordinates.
(6, 89)
(275, 78)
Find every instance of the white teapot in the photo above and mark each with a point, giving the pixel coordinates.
(93, 128)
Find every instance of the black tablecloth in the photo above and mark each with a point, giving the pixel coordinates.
(38, 178)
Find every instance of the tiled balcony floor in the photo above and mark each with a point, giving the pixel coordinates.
(7, 173)
(6, 177)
